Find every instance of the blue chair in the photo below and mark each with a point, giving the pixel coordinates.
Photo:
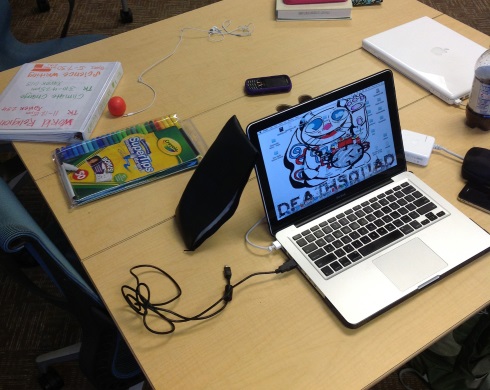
(14, 53)
(103, 356)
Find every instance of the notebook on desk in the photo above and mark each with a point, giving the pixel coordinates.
(430, 54)
(339, 199)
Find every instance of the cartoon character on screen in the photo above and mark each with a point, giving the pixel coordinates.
(326, 144)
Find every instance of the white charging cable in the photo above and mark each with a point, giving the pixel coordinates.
(274, 246)
(439, 147)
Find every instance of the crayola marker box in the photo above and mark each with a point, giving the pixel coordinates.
(126, 158)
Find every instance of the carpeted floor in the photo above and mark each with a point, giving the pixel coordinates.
(29, 326)
(102, 17)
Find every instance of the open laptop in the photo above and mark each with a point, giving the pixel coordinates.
(430, 54)
(339, 199)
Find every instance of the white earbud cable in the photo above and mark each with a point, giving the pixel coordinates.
(240, 31)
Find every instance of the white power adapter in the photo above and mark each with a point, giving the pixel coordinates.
(418, 147)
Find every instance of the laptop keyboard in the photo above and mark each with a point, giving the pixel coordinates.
(355, 234)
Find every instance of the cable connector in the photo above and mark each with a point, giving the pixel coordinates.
(273, 247)
(276, 245)
(228, 294)
(286, 267)
(227, 273)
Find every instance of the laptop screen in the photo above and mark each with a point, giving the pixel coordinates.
(316, 152)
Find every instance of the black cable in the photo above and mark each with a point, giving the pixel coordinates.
(66, 26)
(139, 297)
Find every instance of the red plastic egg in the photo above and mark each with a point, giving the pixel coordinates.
(116, 106)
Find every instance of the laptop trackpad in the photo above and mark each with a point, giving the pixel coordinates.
(410, 264)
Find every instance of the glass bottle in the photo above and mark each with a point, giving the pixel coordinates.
(478, 107)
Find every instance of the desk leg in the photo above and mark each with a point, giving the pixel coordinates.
(126, 14)
(43, 5)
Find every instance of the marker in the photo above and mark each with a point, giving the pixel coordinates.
(175, 121)
(115, 138)
(106, 140)
(152, 126)
(90, 146)
(142, 129)
(100, 142)
(157, 125)
(119, 136)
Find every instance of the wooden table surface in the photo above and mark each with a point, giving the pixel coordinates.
(277, 332)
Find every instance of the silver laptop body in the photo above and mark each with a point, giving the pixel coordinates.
(364, 231)
(430, 54)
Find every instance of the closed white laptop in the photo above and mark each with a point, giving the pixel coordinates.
(339, 199)
(430, 54)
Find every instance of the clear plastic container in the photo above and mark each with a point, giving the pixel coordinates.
(478, 107)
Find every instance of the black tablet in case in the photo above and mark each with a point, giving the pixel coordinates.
(214, 190)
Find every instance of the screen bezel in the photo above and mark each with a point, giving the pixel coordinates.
(350, 193)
